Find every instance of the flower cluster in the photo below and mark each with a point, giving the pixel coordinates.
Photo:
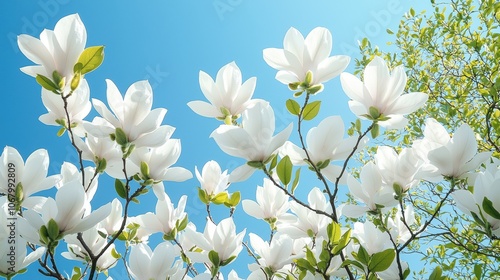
(310, 238)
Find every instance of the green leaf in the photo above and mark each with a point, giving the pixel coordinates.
(436, 274)
(295, 182)
(52, 229)
(362, 255)
(202, 195)
(310, 257)
(89, 60)
(375, 131)
(115, 254)
(293, 107)
(235, 199)
(228, 261)
(352, 262)
(382, 260)
(490, 209)
(219, 198)
(46, 83)
(284, 170)
(478, 270)
(342, 243)
(311, 110)
(334, 232)
(182, 224)
(315, 89)
(120, 189)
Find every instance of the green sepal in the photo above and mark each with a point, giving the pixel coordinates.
(47, 83)
(256, 164)
(145, 169)
(202, 195)
(52, 230)
(120, 137)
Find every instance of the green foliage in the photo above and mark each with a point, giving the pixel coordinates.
(452, 53)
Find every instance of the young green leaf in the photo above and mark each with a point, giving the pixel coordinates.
(284, 170)
(382, 260)
(489, 209)
(293, 107)
(46, 83)
(89, 60)
(311, 110)
(120, 189)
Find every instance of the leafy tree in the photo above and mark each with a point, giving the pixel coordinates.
(453, 54)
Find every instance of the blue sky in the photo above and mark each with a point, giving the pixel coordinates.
(168, 43)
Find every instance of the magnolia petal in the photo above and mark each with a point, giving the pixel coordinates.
(204, 109)
(276, 58)
(407, 103)
(318, 44)
(252, 208)
(354, 211)
(177, 174)
(92, 219)
(35, 51)
(241, 173)
(331, 67)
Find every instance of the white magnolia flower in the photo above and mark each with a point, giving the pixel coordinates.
(485, 186)
(30, 176)
(221, 238)
(78, 107)
(160, 160)
(112, 223)
(325, 143)
(70, 172)
(370, 191)
(254, 141)
(272, 203)
(300, 55)
(56, 50)
(399, 231)
(132, 114)
(102, 149)
(227, 96)
(273, 255)
(307, 221)
(166, 216)
(67, 210)
(145, 264)
(382, 91)
(371, 238)
(398, 169)
(95, 242)
(212, 180)
(459, 155)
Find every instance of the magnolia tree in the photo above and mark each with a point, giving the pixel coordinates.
(362, 235)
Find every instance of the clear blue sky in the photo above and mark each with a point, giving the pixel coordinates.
(168, 43)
